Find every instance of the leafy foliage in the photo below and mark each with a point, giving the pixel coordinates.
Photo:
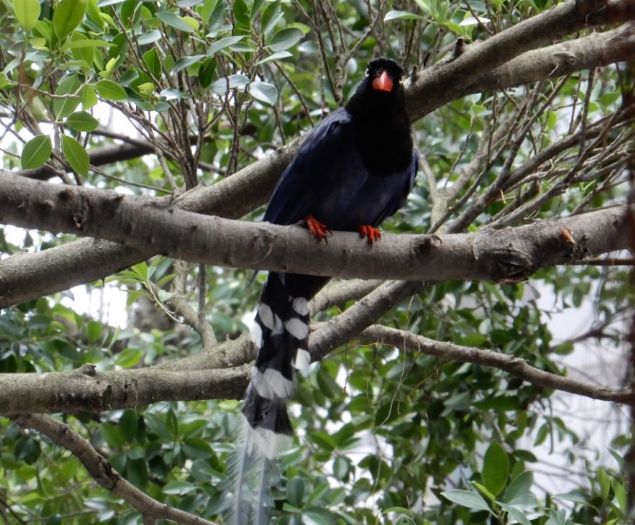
(382, 436)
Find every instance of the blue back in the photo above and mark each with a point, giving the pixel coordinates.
(328, 179)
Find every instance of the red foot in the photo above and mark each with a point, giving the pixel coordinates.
(371, 233)
(319, 230)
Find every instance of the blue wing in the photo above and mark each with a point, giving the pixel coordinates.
(328, 179)
(296, 192)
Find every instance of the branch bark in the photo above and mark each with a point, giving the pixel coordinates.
(102, 472)
(597, 49)
(447, 81)
(154, 225)
(86, 389)
(514, 365)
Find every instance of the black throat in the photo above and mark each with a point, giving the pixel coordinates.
(382, 129)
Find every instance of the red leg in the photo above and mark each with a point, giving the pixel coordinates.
(319, 230)
(371, 233)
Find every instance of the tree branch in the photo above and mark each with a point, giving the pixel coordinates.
(154, 225)
(514, 365)
(86, 389)
(597, 49)
(102, 472)
(447, 81)
(187, 379)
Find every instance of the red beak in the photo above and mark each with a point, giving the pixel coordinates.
(383, 82)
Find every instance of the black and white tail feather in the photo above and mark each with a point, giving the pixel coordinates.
(280, 333)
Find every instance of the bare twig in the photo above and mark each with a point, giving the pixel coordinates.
(102, 472)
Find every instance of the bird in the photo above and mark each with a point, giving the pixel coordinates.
(353, 170)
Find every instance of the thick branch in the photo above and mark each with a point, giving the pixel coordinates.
(102, 472)
(447, 81)
(187, 379)
(514, 365)
(597, 49)
(153, 225)
(85, 389)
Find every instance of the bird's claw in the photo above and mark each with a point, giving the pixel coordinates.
(320, 231)
(369, 232)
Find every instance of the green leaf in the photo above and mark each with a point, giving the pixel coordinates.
(179, 488)
(223, 43)
(173, 20)
(88, 96)
(110, 90)
(185, 62)
(519, 488)
(67, 16)
(515, 515)
(322, 439)
(466, 498)
(153, 62)
(27, 12)
(137, 472)
(495, 468)
(319, 516)
(93, 331)
(128, 357)
(285, 38)
(66, 104)
(280, 55)
(86, 42)
(295, 491)
(128, 424)
(242, 20)
(206, 72)
(149, 38)
(27, 449)
(395, 14)
(112, 434)
(75, 155)
(263, 92)
(197, 448)
(82, 121)
(36, 152)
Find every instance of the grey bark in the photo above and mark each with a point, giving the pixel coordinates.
(155, 225)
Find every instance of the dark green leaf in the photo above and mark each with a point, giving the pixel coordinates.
(395, 14)
(285, 38)
(67, 16)
(223, 43)
(36, 152)
(110, 90)
(128, 357)
(153, 62)
(179, 488)
(75, 155)
(82, 121)
(466, 498)
(495, 468)
(175, 21)
(128, 425)
(66, 102)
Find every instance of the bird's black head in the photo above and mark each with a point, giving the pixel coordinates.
(384, 74)
(381, 91)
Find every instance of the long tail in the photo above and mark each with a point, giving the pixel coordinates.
(281, 334)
